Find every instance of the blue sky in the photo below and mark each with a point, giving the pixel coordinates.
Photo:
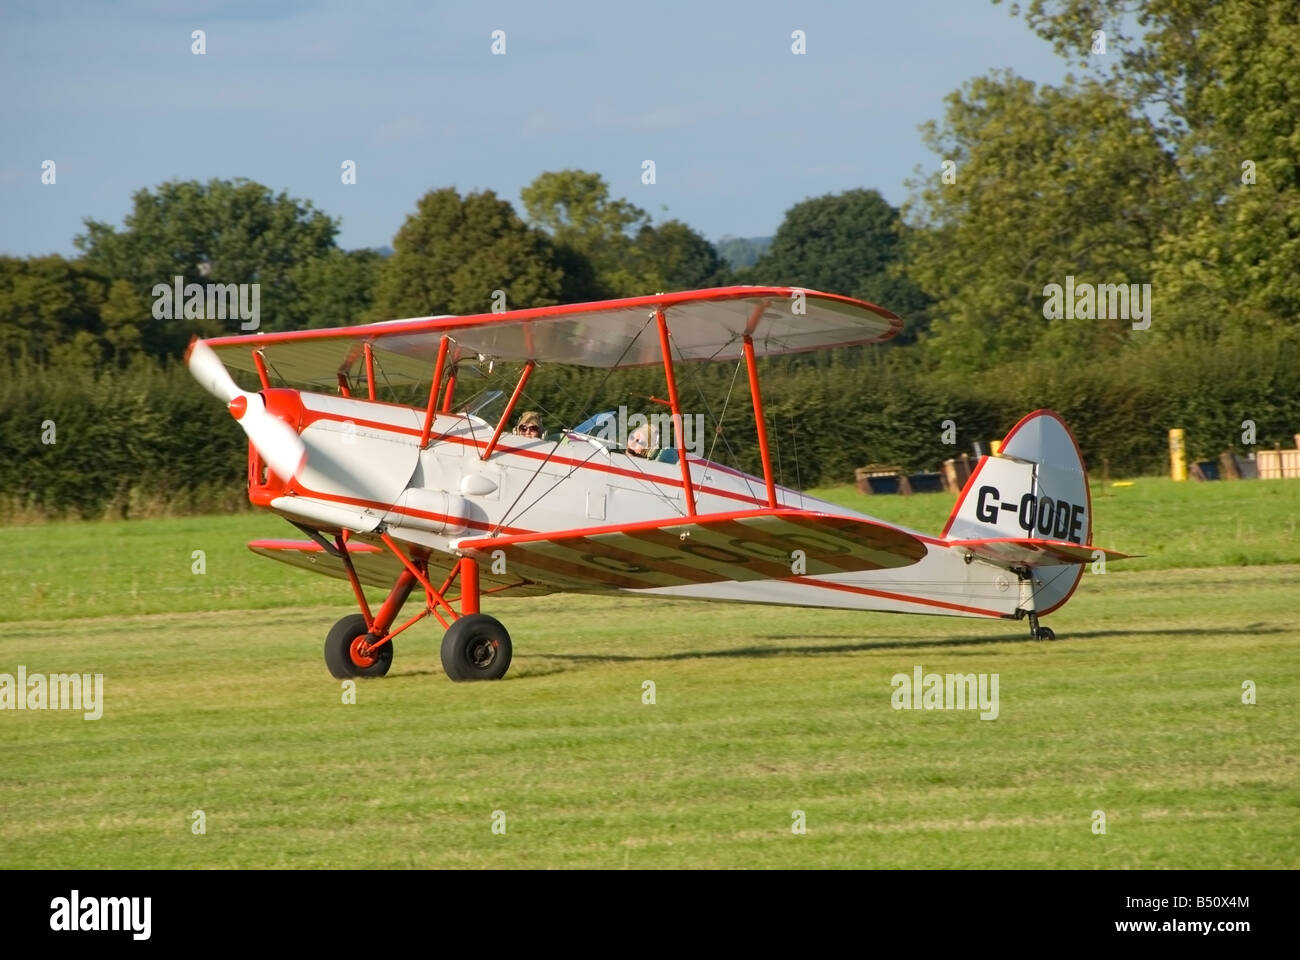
(738, 126)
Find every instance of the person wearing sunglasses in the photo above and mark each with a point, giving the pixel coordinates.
(530, 425)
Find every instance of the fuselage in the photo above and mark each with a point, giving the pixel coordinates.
(365, 471)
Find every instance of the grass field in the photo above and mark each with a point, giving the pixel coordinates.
(216, 699)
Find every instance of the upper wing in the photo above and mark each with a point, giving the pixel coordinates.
(747, 545)
(703, 324)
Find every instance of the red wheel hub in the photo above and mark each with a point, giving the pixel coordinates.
(360, 651)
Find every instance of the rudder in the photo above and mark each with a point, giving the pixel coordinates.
(1035, 488)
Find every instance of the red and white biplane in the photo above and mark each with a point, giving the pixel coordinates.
(441, 500)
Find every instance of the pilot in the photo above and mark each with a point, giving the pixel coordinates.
(638, 442)
(529, 425)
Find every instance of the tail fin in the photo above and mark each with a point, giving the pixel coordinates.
(1029, 506)
(1035, 488)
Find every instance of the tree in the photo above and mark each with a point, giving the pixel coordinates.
(575, 209)
(609, 247)
(741, 252)
(1235, 255)
(1048, 183)
(454, 253)
(1170, 67)
(847, 243)
(221, 232)
(671, 256)
(1221, 83)
(47, 301)
(123, 315)
(338, 289)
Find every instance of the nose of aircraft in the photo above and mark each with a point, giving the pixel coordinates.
(277, 442)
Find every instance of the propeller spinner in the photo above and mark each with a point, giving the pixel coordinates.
(277, 442)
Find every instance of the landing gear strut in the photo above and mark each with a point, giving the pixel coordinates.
(1036, 632)
(475, 646)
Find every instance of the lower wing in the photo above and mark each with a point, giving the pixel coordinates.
(742, 546)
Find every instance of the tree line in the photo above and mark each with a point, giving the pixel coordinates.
(1169, 164)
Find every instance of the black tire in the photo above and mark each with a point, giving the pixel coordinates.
(476, 647)
(1046, 633)
(340, 654)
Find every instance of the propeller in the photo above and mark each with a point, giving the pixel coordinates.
(277, 442)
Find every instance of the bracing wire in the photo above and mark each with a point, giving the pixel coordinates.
(718, 431)
(725, 401)
(591, 398)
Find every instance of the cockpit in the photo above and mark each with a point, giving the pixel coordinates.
(634, 436)
(614, 431)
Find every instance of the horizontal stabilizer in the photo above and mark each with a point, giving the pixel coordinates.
(1035, 553)
(741, 546)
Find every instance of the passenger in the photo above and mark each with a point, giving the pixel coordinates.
(638, 442)
(530, 425)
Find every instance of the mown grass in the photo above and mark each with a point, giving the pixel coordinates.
(217, 700)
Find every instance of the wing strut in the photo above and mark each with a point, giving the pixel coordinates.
(369, 352)
(757, 397)
(510, 408)
(687, 490)
(433, 390)
(260, 362)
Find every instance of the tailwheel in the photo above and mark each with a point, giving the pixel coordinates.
(476, 647)
(348, 652)
(1037, 632)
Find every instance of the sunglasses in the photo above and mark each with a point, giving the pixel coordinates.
(530, 428)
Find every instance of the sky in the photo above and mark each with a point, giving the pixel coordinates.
(738, 126)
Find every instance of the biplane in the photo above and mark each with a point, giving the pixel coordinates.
(439, 500)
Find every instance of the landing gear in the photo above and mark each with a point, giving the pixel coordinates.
(1039, 633)
(348, 650)
(476, 647)
(1026, 576)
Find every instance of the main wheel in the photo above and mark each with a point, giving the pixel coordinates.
(346, 654)
(476, 647)
(1046, 633)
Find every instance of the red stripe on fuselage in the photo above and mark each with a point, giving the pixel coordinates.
(866, 591)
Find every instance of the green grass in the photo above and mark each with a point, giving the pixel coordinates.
(217, 700)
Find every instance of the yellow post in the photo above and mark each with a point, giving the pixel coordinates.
(1177, 454)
